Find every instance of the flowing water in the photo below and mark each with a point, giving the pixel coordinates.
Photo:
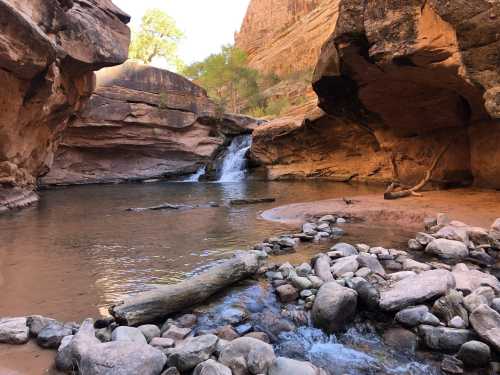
(234, 164)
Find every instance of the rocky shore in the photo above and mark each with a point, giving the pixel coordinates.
(438, 296)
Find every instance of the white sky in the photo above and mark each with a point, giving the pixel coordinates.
(207, 24)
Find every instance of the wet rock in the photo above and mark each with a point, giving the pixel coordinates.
(150, 331)
(401, 339)
(287, 366)
(322, 268)
(130, 334)
(187, 321)
(192, 352)
(104, 322)
(243, 329)
(233, 315)
(211, 367)
(414, 316)
(345, 265)
(479, 236)
(344, 249)
(448, 249)
(334, 307)
(371, 263)
(474, 354)
(176, 333)
(452, 365)
(416, 289)
(468, 280)
(51, 335)
(450, 306)
(227, 332)
(337, 232)
(247, 355)
(429, 222)
(162, 343)
(259, 336)
(444, 338)
(37, 322)
(368, 295)
(14, 331)
(64, 358)
(482, 295)
(486, 322)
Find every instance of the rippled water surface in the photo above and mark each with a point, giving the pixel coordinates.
(79, 250)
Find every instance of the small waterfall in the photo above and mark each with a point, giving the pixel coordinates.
(234, 164)
(195, 177)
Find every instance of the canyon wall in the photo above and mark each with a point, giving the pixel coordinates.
(48, 52)
(141, 123)
(399, 83)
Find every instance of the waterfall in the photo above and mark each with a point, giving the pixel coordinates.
(234, 164)
(195, 177)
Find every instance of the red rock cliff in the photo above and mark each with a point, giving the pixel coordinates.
(48, 52)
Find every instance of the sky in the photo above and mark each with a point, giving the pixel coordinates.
(207, 24)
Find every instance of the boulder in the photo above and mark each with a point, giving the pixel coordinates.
(162, 343)
(344, 249)
(486, 322)
(412, 265)
(150, 331)
(416, 289)
(322, 268)
(457, 322)
(479, 296)
(370, 262)
(424, 239)
(131, 334)
(64, 357)
(474, 354)
(368, 295)
(192, 352)
(468, 280)
(413, 244)
(401, 339)
(447, 249)
(287, 293)
(345, 265)
(247, 355)
(37, 323)
(304, 269)
(211, 367)
(454, 233)
(397, 276)
(14, 331)
(495, 304)
(287, 366)
(444, 338)
(334, 307)
(452, 365)
(414, 316)
(52, 334)
(176, 333)
(450, 306)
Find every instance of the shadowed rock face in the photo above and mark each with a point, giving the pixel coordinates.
(416, 77)
(48, 52)
(140, 123)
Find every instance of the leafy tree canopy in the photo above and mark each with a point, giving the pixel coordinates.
(158, 36)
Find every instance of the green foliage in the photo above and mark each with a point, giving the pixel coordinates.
(158, 36)
(228, 79)
(273, 108)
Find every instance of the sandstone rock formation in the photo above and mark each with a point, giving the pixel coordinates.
(411, 78)
(140, 123)
(48, 52)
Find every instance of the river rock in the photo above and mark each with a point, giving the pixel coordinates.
(486, 322)
(309, 229)
(344, 249)
(412, 265)
(334, 307)
(413, 244)
(192, 352)
(457, 322)
(300, 283)
(495, 304)
(370, 262)
(162, 342)
(416, 289)
(479, 296)
(345, 265)
(368, 295)
(474, 354)
(52, 334)
(401, 339)
(424, 239)
(287, 366)
(452, 365)
(322, 268)
(450, 306)
(150, 331)
(131, 334)
(397, 276)
(468, 280)
(414, 316)
(176, 333)
(247, 355)
(211, 367)
(316, 281)
(14, 331)
(303, 270)
(64, 358)
(447, 249)
(171, 371)
(262, 336)
(37, 323)
(285, 269)
(444, 338)
(454, 233)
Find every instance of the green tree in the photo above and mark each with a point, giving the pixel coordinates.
(228, 79)
(158, 36)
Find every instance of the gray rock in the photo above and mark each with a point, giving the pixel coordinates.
(130, 334)
(475, 354)
(300, 282)
(192, 352)
(316, 281)
(442, 219)
(414, 316)
(363, 272)
(362, 248)
(448, 249)
(247, 355)
(309, 229)
(171, 371)
(211, 367)
(285, 269)
(479, 236)
(287, 366)
(162, 342)
(413, 244)
(452, 365)
(479, 296)
(424, 239)
(345, 265)
(337, 232)
(64, 358)
(328, 219)
(322, 268)
(453, 233)
(341, 220)
(271, 275)
(401, 339)
(444, 338)
(371, 263)
(450, 306)
(397, 276)
(412, 265)
(303, 270)
(51, 335)
(14, 331)
(345, 249)
(368, 295)
(334, 307)
(457, 322)
(176, 333)
(495, 304)
(416, 289)
(468, 280)
(37, 322)
(486, 322)
(287, 293)
(150, 331)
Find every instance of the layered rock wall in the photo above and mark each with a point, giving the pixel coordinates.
(48, 52)
(415, 77)
(141, 123)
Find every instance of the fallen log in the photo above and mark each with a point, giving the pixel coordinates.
(166, 300)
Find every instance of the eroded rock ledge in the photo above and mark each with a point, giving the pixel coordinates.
(398, 82)
(48, 52)
(140, 123)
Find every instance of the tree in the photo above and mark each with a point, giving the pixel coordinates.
(158, 36)
(227, 78)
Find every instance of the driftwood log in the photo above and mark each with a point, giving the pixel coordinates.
(163, 301)
(397, 190)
